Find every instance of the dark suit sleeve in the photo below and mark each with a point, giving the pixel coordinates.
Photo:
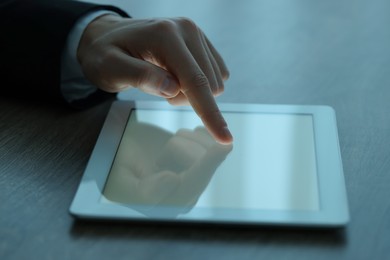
(33, 35)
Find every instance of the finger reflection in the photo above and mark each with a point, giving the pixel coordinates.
(154, 167)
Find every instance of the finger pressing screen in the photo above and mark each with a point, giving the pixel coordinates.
(203, 102)
(186, 57)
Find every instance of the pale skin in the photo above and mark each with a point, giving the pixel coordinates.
(171, 58)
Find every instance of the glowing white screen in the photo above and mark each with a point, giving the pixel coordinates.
(271, 166)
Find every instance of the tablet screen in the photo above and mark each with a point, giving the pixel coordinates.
(166, 158)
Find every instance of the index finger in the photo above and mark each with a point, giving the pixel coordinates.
(195, 86)
(202, 100)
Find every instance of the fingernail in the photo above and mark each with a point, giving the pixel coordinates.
(169, 87)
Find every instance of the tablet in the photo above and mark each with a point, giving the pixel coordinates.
(155, 162)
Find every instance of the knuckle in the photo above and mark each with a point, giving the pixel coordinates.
(165, 25)
(187, 23)
(198, 81)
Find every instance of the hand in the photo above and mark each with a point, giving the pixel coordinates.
(171, 58)
(154, 167)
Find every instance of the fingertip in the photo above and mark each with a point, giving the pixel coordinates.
(222, 135)
(225, 137)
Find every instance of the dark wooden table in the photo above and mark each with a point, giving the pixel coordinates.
(330, 52)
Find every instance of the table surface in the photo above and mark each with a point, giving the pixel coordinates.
(331, 52)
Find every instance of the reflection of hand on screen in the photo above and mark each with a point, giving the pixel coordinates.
(154, 167)
(196, 156)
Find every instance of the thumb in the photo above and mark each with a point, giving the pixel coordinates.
(124, 71)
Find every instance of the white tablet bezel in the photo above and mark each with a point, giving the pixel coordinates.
(331, 186)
